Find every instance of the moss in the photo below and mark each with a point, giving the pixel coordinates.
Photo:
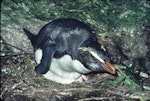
(110, 14)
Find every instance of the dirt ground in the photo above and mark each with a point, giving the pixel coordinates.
(19, 82)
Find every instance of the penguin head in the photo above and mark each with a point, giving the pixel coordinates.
(95, 60)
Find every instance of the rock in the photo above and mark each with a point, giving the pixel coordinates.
(14, 40)
(13, 20)
(130, 49)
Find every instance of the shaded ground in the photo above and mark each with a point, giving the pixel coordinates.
(20, 83)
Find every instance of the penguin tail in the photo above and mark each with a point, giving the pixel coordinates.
(28, 33)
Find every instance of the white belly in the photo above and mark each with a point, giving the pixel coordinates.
(63, 70)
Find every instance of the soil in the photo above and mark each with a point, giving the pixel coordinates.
(19, 82)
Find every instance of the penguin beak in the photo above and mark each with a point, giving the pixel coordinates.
(109, 67)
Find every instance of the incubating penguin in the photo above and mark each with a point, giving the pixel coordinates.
(66, 49)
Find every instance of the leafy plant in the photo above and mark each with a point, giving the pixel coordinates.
(127, 78)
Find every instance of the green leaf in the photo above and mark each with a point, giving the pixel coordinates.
(127, 78)
(114, 82)
(131, 84)
(130, 80)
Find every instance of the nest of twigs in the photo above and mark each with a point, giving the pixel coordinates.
(19, 82)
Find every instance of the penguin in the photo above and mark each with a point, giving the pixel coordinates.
(66, 49)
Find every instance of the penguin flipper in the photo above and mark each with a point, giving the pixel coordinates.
(45, 63)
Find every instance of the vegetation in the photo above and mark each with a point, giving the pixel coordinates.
(104, 15)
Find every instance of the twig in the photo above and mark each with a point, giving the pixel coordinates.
(96, 98)
(82, 89)
(15, 85)
(12, 88)
(13, 54)
(13, 46)
(3, 92)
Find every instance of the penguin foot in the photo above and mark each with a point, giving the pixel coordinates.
(82, 78)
